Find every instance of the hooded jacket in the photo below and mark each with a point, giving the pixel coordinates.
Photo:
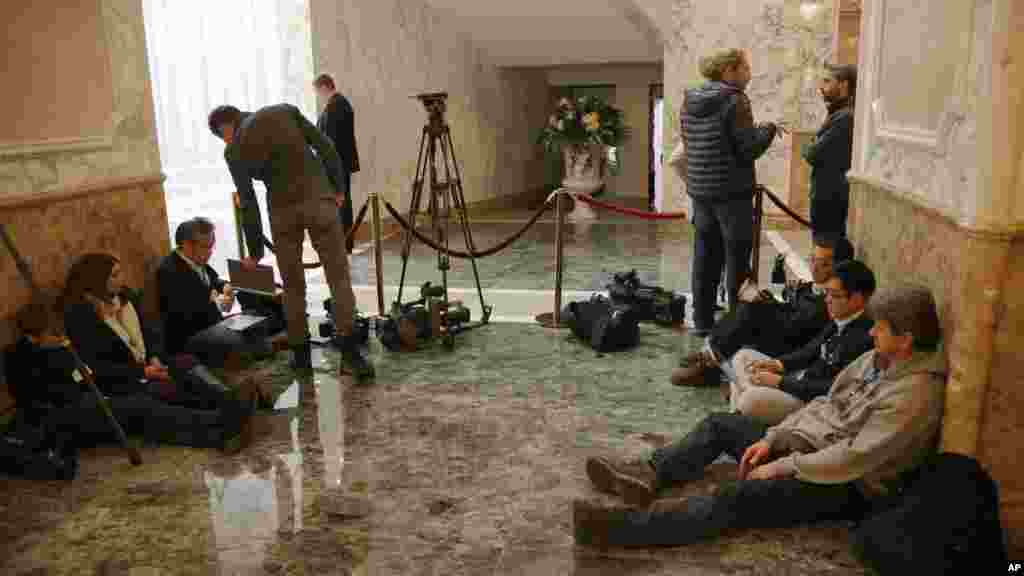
(722, 142)
(868, 431)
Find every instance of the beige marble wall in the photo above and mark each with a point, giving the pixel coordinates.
(383, 52)
(979, 295)
(787, 49)
(132, 147)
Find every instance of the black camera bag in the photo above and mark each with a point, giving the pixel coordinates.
(603, 325)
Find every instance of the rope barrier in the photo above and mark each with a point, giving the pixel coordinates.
(782, 206)
(631, 211)
(473, 254)
(355, 226)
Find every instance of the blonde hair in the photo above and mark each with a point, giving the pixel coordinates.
(712, 67)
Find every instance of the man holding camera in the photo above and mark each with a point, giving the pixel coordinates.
(275, 144)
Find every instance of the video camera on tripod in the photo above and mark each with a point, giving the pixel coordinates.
(422, 320)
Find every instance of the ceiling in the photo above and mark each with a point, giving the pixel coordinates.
(556, 32)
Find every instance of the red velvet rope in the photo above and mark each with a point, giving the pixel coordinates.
(631, 211)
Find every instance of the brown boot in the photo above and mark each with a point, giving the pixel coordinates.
(635, 483)
(593, 523)
(692, 373)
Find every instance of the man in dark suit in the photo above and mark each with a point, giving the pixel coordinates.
(769, 389)
(768, 325)
(337, 121)
(276, 145)
(193, 299)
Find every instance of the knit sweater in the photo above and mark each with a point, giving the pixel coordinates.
(872, 425)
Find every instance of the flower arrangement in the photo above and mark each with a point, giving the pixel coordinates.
(584, 121)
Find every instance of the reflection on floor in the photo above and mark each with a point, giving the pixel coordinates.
(452, 462)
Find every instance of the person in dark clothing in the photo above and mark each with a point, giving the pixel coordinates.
(769, 389)
(170, 399)
(833, 459)
(722, 143)
(830, 153)
(337, 121)
(193, 299)
(768, 325)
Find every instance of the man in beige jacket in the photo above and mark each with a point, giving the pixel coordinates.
(826, 461)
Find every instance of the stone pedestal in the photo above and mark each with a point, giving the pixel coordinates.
(583, 170)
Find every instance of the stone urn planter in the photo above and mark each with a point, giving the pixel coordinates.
(584, 174)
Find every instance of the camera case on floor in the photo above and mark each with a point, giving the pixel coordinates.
(649, 303)
(602, 324)
(360, 324)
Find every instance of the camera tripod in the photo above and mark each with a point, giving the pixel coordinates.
(448, 317)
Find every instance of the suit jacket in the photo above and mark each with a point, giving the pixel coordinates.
(824, 357)
(117, 372)
(276, 145)
(185, 306)
(804, 315)
(338, 122)
(830, 155)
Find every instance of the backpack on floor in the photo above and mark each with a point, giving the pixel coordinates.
(651, 303)
(946, 523)
(604, 326)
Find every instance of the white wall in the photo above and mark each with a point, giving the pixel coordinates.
(632, 94)
(383, 52)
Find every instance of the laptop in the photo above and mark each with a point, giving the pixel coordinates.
(256, 281)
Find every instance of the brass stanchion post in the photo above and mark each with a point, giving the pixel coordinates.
(378, 258)
(559, 225)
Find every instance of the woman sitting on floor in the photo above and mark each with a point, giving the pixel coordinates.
(180, 404)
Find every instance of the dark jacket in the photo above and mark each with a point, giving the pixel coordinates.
(722, 142)
(337, 121)
(185, 305)
(804, 314)
(829, 155)
(276, 146)
(40, 375)
(117, 372)
(823, 358)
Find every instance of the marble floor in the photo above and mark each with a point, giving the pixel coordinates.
(451, 462)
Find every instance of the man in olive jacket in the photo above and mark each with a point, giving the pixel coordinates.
(275, 144)
(827, 461)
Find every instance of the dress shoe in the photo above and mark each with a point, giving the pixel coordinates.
(635, 483)
(694, 368)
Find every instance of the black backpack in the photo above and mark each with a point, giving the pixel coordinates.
(605, 326)
(947, 522)
(650, 303)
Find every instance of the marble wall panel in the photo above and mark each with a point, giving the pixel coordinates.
(384, 52)
(133, 151)
(787, 46)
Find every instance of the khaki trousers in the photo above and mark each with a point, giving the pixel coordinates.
(763, 403)
(288, 224)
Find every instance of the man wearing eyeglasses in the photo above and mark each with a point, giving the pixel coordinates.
(769, 389)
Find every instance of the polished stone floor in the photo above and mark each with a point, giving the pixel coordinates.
(452, 462)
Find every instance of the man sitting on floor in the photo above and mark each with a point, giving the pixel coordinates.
(766, 324)
(193, 299)
(826, 461)
(769, 389)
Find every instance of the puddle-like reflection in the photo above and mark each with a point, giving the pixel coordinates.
(254, 501)
(330, 417)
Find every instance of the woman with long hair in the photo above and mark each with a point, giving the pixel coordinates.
(179, 404)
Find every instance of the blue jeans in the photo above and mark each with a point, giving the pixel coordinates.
(724, 237)
(773, 503)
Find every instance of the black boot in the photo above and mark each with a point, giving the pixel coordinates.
(302, 357)
(352, 358)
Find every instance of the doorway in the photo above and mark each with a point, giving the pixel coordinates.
(656, 145)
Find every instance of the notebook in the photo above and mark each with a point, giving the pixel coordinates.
(256, 281)
(241, 322)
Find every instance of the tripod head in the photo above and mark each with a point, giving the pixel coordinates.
(436, 103)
